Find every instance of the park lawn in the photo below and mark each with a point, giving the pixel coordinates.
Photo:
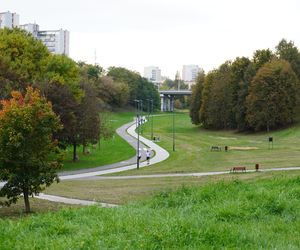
(253, 214)
(109, 151)
(38, 206)
(192, 147)
(124, 191)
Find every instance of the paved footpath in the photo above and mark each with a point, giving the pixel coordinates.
(73, 201)
(128, 133)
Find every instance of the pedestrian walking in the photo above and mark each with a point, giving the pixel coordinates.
(148, 154)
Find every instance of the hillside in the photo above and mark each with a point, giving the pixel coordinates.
(251, 214)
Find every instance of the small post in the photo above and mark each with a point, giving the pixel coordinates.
(256, 167)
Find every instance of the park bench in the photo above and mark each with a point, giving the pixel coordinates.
(237, 169)
(215, 148)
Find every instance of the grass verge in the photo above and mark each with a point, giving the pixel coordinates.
(259, 214)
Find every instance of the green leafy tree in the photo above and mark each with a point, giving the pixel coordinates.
(205, 109)
(62, 70)
(289, 52)
(273, 96)
(217, 109)
(112, 93)
(23, 60)
(242, 72)
(88, 117)
(196, 98)
(29, 156)
(260, 57)
(139, 87)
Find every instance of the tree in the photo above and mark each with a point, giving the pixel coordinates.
(139, 87)
(23, 60)
(196, 98)
(205, 117)
(289, 52)
(62, 70)
(88, 117)
(273, 96)
(260, 57)
(242, 72)
(112, 93)
(29, 156)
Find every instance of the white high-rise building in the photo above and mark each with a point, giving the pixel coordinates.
(190, 72)
(153, 74)
(57, 41)
(32, 28)
(9, 20)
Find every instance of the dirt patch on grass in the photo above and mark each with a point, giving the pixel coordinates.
(243, 148)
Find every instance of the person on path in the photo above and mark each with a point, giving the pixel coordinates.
(148, 154)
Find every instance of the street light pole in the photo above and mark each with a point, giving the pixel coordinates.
(151, 100)
(141, 114)
(137, 122)
(172, 98)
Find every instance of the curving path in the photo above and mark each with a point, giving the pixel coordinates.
(128, 133)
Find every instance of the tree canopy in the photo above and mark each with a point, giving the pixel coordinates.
(256, 94)
(29, 156)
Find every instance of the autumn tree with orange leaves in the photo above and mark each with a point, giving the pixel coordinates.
(29, 156)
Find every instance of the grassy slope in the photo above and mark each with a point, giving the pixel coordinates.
(193, 147)
(261, 214)
(126, 191)
(110, 151)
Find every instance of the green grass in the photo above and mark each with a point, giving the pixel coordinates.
(109, 151)
(126, 191)
(37, 206)
(253, 214)
(193, 147)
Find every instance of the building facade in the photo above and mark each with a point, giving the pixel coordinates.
(153, 74)
(57, 41)
(9, 20)
(32, 28)
(190, 72)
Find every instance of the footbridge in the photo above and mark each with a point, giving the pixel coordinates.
(167, 98)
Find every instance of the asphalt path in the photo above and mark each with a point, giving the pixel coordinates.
(127, 132)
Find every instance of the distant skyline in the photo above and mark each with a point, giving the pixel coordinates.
(164, 33)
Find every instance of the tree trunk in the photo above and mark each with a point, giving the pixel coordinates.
(26, 200)
(74, 151)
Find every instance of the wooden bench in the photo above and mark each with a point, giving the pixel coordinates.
(238, 169)
(215, 148)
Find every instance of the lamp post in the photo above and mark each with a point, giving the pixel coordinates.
(151, 100)
(137, 122)
(150, 109)
(141, 115)
(172, 99)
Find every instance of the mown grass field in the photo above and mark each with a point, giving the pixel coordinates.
(131, 190)
(252, 214)
(109, 151)
(193, 145)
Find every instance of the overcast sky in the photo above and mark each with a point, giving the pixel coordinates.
(164, 33)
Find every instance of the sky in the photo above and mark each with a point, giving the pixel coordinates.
(164, 33)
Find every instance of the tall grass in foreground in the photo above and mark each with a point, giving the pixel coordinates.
(262, 214)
